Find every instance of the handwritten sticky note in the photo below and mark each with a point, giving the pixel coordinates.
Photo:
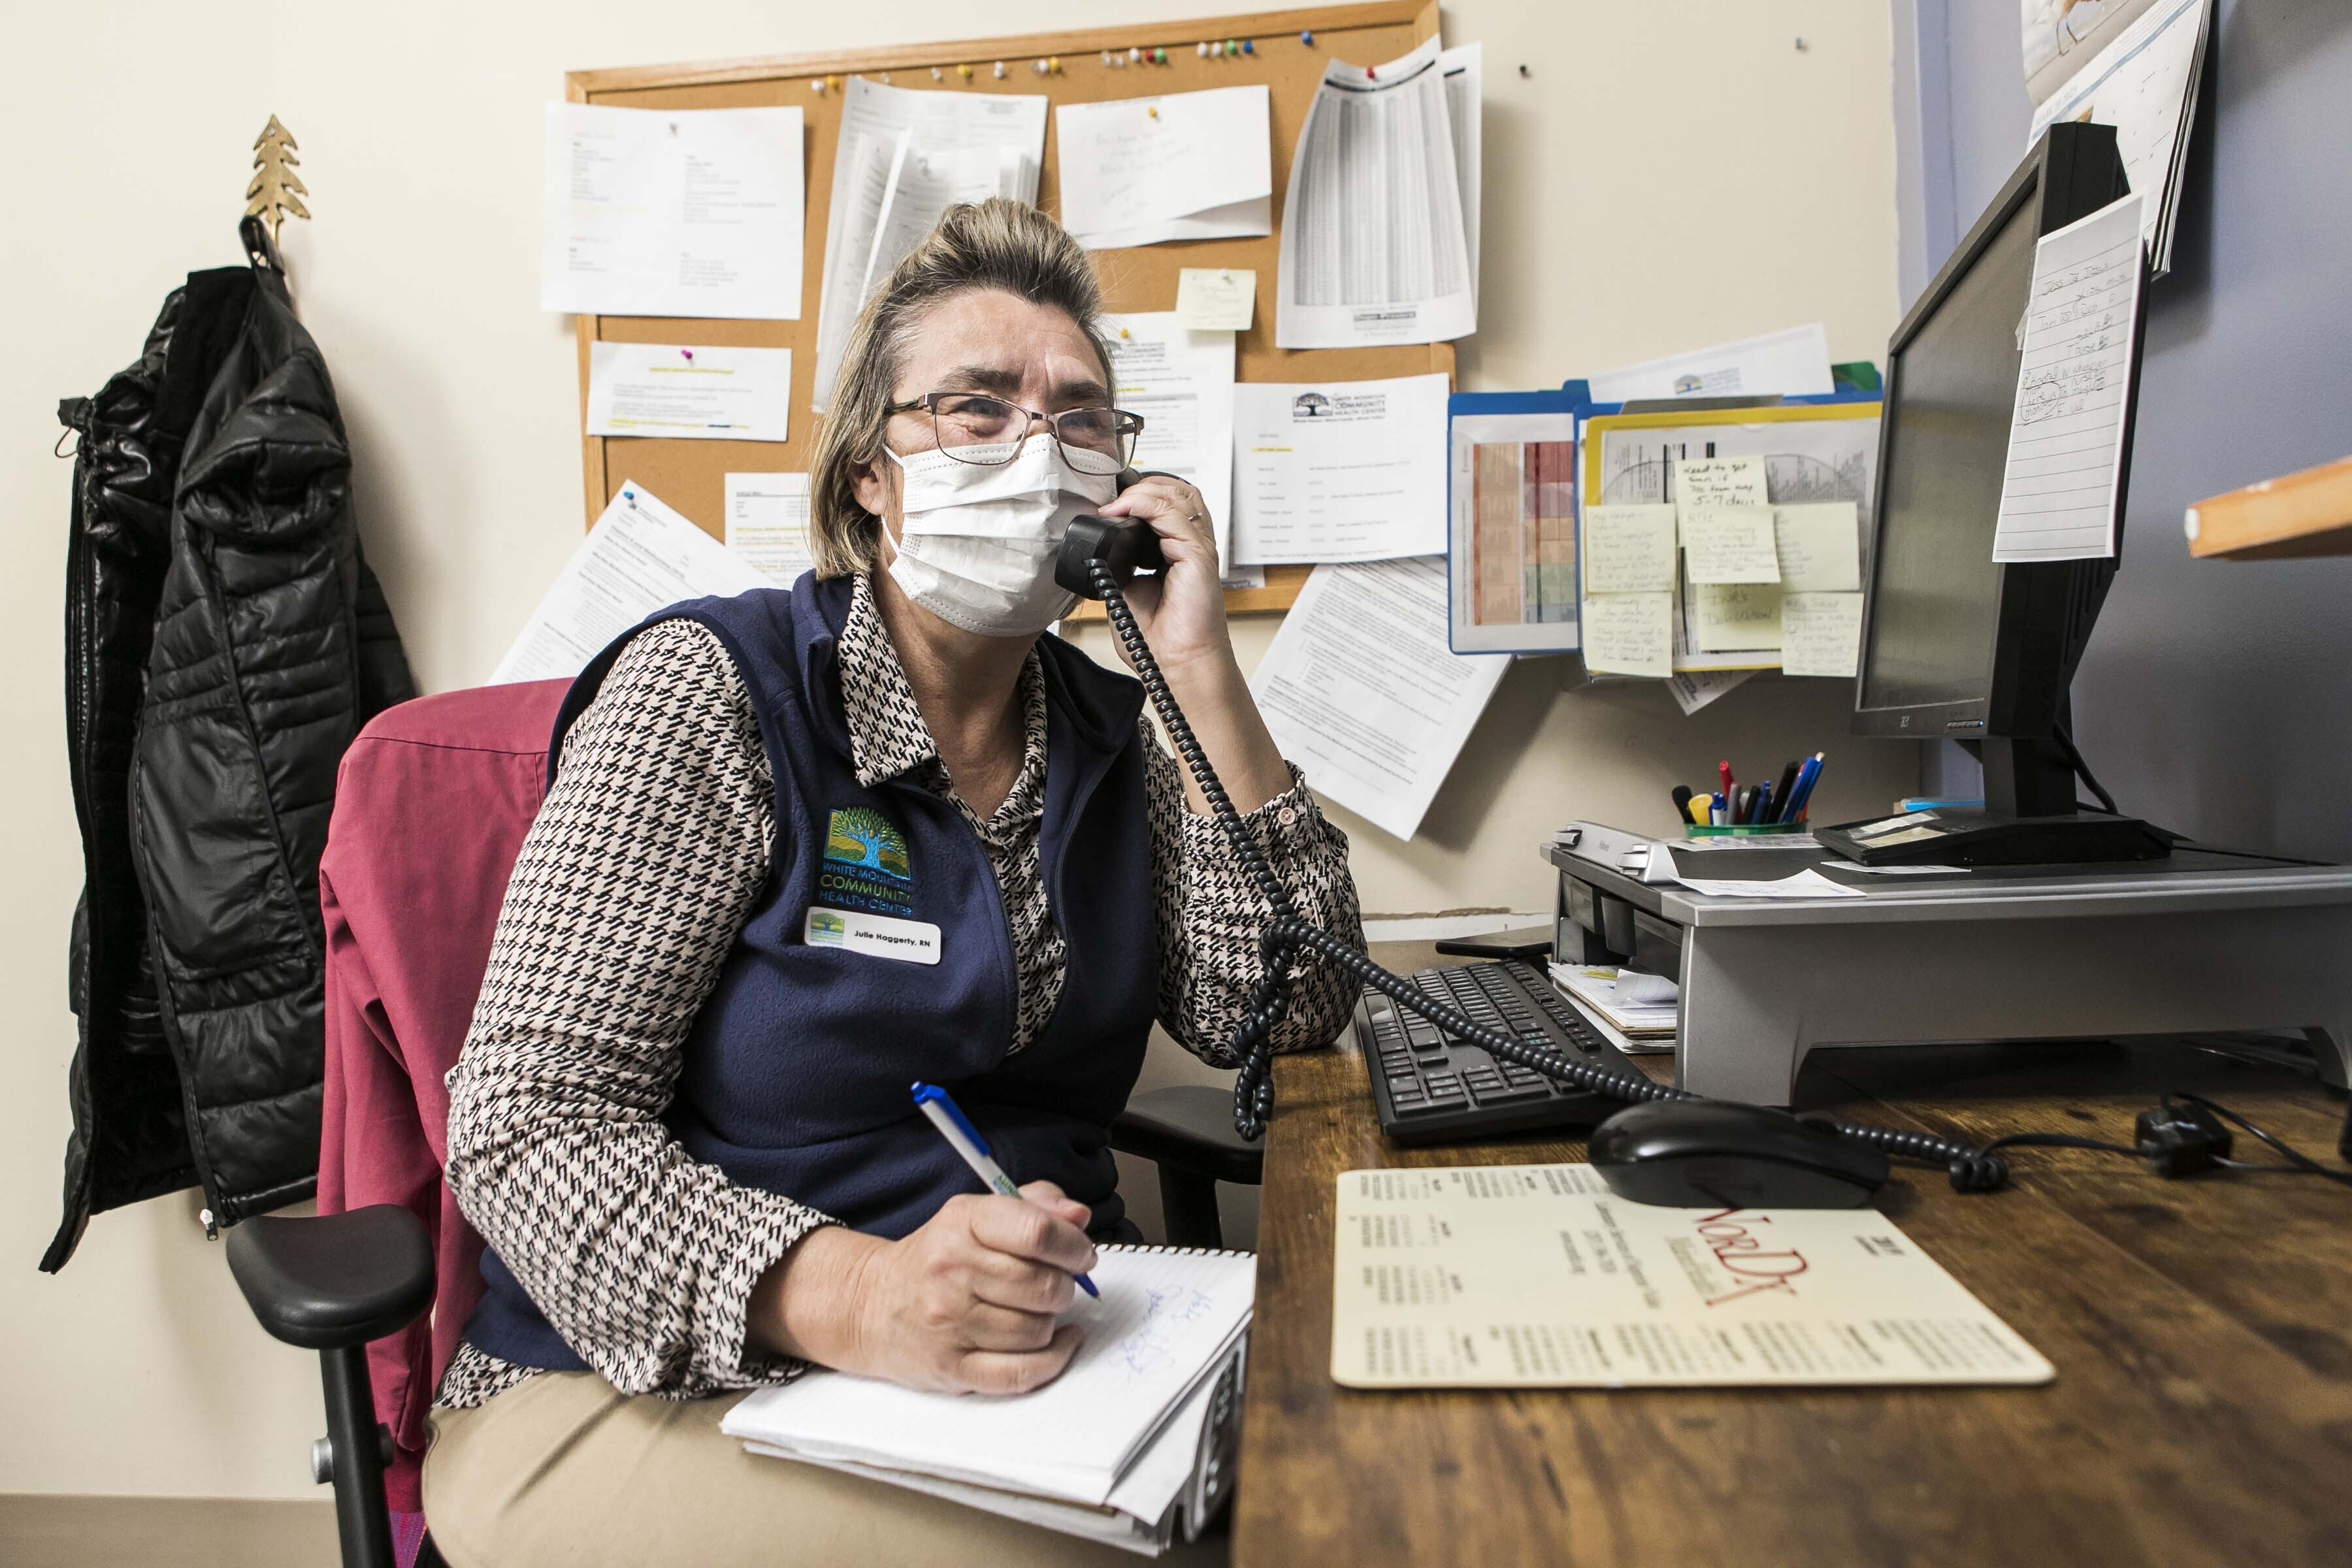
(1629, 549)
(1215, 299)
(1730, 544)
(1734, 617)
(1628, 634)
(1820, 546)
(1719, 481)
(1821, 633)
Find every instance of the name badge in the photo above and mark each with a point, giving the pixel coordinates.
(909, 942)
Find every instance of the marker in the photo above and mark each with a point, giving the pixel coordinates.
(966, 1140)
(1717, 814)
(1724, 769)
(1806, 777)
(1781, 791)
(1681, 801)
(1762, 810)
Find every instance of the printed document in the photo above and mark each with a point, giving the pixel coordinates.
(1348, 470)
(1361, 691)
(1795, 363)
(767, 525)
(2074, 386)
(700, 393)
(671, 211)
(1695, 688)
(1188, 165)
(1511, 531)
(1463, 68)
(2144, 83)
(904, 157)
(1375, 245)
(640, 557)
(1181, 381)
(1540, 1277)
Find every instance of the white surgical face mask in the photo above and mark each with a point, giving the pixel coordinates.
(976, 544)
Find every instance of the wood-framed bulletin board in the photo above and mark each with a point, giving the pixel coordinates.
(690, 474)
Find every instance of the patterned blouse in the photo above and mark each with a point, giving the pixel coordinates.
(641, 867)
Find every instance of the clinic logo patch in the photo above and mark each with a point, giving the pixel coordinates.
(865, 863)
(826, 929)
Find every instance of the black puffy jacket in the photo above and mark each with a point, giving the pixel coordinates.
(224, 643)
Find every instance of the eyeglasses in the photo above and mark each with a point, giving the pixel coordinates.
(973, 427)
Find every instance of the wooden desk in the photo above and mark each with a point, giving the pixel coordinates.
(2201, 1329)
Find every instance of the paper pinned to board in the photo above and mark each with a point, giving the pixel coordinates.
(2066, 436)
(1361, 691)
(1629, 634)
(1821, 633)
(1374, 236)
(1794, 364)
(1719, 481)
(671, 211)
(1217, 299)
(1730, 544)
(1181, 381)
(704, 392)
(640, 557)
(1735, 617)
(1820, 547)
(1337, 471)
(1182, 165)
(767, 525)
(1629, 549)
(903, 156)
(1437, 1283)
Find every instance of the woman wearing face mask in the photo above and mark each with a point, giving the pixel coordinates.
(802, 849)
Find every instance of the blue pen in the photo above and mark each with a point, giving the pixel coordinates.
(1796, 791)
(1805, 783)
(1761, 811)
(966, 1140)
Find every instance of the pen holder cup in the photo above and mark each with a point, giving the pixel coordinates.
(1744, 830)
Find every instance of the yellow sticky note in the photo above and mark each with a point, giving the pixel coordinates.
(1719, 481)
(1820, 547)
(1628, 634)
(1735, 618)
(1730, 544)
(1629, 549)
(1821, 633)
(1217, 299)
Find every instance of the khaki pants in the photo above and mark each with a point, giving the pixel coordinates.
(564, 1470)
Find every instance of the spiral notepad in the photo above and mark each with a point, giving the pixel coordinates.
(1167, 1317)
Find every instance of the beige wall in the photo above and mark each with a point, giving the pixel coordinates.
(1672, 173)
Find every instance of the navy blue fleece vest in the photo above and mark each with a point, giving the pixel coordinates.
(797, 1074)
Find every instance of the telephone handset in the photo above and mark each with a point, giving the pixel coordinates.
(1099, 557)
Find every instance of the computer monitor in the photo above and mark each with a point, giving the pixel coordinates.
(1954, 645)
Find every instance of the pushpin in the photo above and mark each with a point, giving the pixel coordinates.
(1160, 55)
(1105, 59)
(1054, 63)
(1307, 38)
(886, 79)
(1153, 110)
(1232, 46)
(1037, 67)
(1249, 46)
(938, 74)
(816, 84)
(1134, 55)
(1200, 49)
(964, 71)
(1123, 333)
(1000, 70)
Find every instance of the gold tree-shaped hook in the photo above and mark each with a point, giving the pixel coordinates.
(277, 190)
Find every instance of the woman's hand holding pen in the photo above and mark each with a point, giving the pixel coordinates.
(965, 1305)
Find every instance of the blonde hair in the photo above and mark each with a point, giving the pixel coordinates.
(996, 244)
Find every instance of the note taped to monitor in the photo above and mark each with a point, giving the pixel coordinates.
(1439, 1283)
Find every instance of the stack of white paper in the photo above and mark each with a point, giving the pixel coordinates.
(1377, 229)
(640, 557)
(1142, 171)
(903, 158)
(670, 212)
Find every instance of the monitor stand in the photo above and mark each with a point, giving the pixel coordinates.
(2029, 818)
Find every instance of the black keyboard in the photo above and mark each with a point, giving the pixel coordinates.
(1430, 1087)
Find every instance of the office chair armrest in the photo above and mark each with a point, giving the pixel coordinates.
(334, 1281)
(1188, 1128)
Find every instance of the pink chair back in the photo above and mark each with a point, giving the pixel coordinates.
(431, 807)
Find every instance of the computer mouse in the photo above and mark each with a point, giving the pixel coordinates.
(1720, 1153)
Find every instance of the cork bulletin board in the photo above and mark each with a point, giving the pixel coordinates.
(690, 474)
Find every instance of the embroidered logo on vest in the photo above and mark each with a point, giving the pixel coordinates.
(865, 864)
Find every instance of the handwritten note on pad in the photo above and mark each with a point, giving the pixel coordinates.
(1629, 634)
(1730, 544)
(1629, 549)
(1438, 1284)
(1820, 546)
(1719, 481)
(2073, 388)
(1166, 1321)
